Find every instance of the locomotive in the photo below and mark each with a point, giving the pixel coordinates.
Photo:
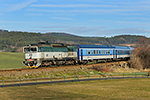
(47, 54)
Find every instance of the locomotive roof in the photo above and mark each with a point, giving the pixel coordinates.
(49, 44)
(80, 45)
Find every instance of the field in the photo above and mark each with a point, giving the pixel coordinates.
(138, 89)
(10, 60)
(131, 89)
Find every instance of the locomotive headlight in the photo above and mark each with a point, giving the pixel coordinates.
(26, 62)
(35, 61)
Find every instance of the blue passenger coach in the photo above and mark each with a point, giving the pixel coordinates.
(102, 52)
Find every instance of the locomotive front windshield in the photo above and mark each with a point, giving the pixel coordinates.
(30, 49)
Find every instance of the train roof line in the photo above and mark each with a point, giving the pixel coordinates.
(46, 43)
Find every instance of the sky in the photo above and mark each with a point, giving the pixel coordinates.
(98, 18)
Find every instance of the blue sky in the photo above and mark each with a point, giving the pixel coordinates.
(79, 17)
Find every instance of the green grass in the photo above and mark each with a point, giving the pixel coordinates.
(9, 60)
(122, 89)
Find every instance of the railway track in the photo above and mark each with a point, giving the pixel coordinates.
(66, 67)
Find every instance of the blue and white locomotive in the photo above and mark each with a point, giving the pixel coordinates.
(47, 54)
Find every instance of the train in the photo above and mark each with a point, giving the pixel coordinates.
(48, 54)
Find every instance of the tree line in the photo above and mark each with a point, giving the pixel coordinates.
(14, 39)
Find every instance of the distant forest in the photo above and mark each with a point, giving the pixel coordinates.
(12, 40)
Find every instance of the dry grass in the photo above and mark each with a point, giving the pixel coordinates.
(135, 89)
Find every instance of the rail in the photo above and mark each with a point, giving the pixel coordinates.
(59, 67)
(51, 80)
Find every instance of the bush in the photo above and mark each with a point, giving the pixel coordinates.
(141, 57)
(135, 62)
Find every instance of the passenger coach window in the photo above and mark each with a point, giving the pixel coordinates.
(121, 52)
(108, 51)
(118, 51)
(99, 52)
(94, 51)
(89, 52)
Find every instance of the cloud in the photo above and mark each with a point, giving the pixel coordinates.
(21, 22)
(108, 32)
(62, 18)
(97, 11)
(35, 14)
(71, 6)
(15, 7)
(54, 27)
(127, 7)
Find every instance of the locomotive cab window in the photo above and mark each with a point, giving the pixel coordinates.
(30, 49)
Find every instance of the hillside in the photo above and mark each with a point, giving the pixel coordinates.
(14, 39)
(61, 34)
(116, 40)
(11, 40)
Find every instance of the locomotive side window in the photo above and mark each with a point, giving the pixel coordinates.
(46, 50)
(41, 49)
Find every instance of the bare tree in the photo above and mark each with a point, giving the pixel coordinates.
(142, 42)
(144, 51)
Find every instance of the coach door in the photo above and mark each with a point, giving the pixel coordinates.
(115, 54)
(81, 55)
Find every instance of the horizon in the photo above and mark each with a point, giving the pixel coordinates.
(75, 35)
(105, 18)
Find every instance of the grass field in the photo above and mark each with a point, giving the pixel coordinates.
(9, 60)
(122, 89)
